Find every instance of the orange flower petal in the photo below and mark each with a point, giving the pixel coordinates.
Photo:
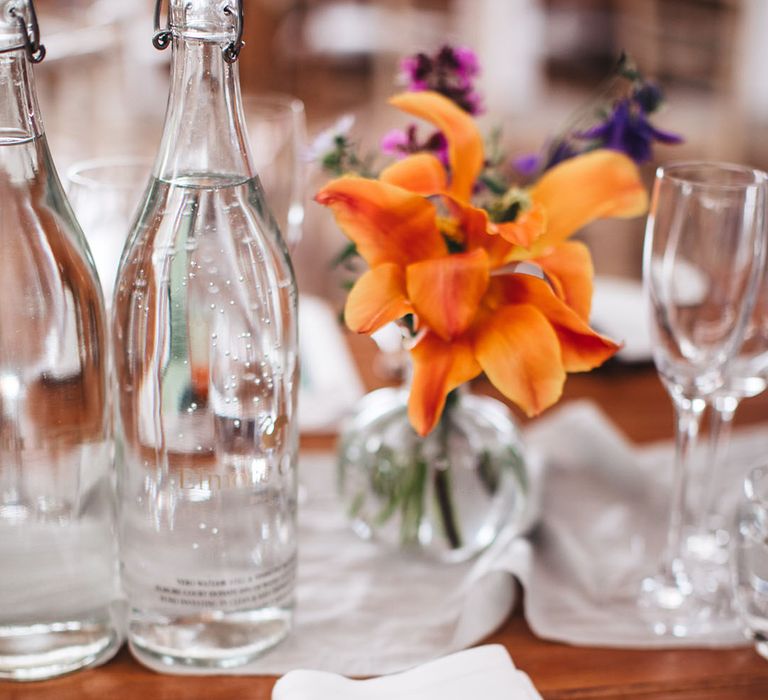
(581, 348)
(438, 368)
(377, 298)
(387, 223)
(569, 267)
(520, 353)
(475, 226)
(598, 184)
(465, 144)
(524, 230)
(420, 173)
(446, 292)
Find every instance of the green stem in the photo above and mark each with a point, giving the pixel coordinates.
(413, 503)
(443, 491)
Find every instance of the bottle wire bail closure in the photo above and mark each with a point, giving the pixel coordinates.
(162, 36)
(35, 50)
(161, 39)
(232, 50)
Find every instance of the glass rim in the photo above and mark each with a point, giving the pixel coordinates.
(667, 173)
(78, 173)
(275, 100)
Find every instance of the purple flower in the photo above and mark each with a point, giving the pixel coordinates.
(395, 143)
(438, 145)
(450, 72)
(416, 70)
(400, 143)
(628, 130)
(467, 64)
(527, 165)
(649, 97)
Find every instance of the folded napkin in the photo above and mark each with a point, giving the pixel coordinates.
(484, 672)
(328, 390)
(620, 310)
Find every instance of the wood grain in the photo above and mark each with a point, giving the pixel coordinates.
(635, 400)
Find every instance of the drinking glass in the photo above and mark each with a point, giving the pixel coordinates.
(746, 375)
(703, 257)
(277, 132)
(750, 559)
(104, 194)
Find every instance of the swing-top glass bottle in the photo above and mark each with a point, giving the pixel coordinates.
(204, 331)
(58, 560)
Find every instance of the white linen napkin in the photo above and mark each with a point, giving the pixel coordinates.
(484, 672)
(620, 310)
(328, 390)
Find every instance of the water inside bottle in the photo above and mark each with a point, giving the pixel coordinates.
(58, 575)
(205, 313)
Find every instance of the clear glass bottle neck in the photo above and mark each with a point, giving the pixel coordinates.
(19, 112)
(204, 133)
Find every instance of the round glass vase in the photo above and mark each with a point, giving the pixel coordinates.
(446, 495)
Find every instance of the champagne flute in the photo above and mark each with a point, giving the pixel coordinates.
(746, 376)
(277, 132)
(104, 194)
(704, 252)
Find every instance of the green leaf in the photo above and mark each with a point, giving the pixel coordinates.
(348, 253)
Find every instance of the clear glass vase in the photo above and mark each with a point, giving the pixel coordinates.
(446, 495)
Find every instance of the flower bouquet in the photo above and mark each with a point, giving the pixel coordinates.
(470, 254)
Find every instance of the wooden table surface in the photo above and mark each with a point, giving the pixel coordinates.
(635, 400)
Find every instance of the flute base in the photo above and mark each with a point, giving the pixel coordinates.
(672, 607)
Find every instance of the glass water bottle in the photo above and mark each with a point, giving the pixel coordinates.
(58, 559)
(206, 367)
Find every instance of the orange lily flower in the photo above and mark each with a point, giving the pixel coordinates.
(475, 310)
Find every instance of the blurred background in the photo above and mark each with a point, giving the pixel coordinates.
(103, 87)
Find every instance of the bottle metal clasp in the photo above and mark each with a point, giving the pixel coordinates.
(31, 31)
(232, 50)
(162, 36)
